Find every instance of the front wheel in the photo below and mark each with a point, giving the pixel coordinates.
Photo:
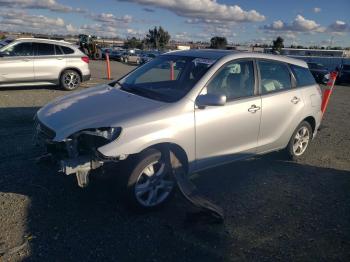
(70, 80)
(150, 183)
(300, 140)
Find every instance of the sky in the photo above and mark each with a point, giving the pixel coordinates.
(299, 22)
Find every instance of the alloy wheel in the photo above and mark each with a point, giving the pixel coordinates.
(71, 80)
(153, 185)
(301, 141)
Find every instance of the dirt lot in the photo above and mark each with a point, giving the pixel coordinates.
(275, 210)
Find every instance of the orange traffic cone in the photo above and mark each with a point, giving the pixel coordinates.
(328, 91)
(108, 67)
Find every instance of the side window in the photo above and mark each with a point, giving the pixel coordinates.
(303, 76)
(44, 49)
(275, 76)
(67, 50)
(58, 50)
(20, 49)
(235, 80)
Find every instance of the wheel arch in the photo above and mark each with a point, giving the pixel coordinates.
(175, 149)
(312, 121)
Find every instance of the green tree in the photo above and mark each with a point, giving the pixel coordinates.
(157, 38)
(133, 43)
(218, 42)
(277, 44)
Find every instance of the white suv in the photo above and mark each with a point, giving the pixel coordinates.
(32, 61)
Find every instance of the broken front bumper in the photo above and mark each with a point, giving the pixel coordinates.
(67, 155)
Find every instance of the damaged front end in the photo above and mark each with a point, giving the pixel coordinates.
(77, 154)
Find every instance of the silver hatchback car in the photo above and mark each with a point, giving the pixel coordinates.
(187, 110)
(33, 61)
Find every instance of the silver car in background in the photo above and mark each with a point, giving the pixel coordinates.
(188, 110)
(33, 61)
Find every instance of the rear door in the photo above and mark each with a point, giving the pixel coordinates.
(16, 64)
(282, 105)
(49, 61)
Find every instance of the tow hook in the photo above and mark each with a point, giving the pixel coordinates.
(83, 178)
(81, 167)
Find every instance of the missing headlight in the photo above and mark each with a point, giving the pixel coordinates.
(90, 139)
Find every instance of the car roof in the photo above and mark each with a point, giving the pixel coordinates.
(203, 53)
(43, 40)
(217, 54)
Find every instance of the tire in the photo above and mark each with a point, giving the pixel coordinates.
(70, 80)
(299, 141)
(150, 184)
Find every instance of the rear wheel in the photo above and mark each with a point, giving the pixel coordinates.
(70, 80)
(300, 140)
(150, 182)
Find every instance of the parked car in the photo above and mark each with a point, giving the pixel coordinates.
(147, 56)
(104, 51)
(6, 42)
(117, 55)
(33, 61)
(344, 74)
(131, 58)
(216, 107)
(320, 72)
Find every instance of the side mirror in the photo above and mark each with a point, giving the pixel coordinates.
(210, 100)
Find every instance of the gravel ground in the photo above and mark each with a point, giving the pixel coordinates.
(275, 210)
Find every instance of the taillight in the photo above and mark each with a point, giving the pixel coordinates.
(85, 59)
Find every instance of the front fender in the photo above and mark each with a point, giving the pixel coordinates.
(177, 130)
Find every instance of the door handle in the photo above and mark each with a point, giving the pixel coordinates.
(295, 100)
(59, 58)
(26, 59)
(253, 108)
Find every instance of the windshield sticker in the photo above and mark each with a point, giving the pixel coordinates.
(205, 61)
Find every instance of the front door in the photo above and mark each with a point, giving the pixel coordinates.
(225, 133)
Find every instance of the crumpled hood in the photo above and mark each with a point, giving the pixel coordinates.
(101, 106)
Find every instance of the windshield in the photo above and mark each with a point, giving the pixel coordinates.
(167, 78)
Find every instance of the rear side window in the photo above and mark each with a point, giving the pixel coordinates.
(275, 76)
(67, 50)
(44, 49)
(302, 75)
